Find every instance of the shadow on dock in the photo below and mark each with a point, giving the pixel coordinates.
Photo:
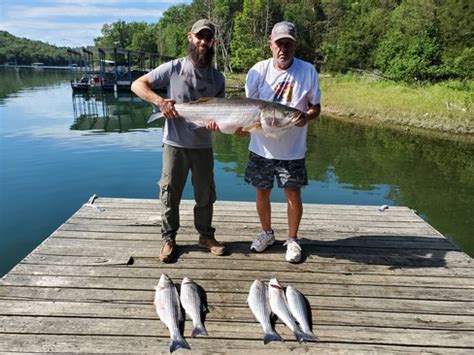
(397, 251)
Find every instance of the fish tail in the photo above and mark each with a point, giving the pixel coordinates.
(179, 343)
(199, 330)
(154, 117)
(311, 335)
(271, 336)
(303, 337)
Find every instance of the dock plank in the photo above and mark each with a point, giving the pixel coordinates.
(376, 282)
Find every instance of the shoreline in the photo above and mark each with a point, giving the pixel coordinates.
(441, 110)
(329, 112)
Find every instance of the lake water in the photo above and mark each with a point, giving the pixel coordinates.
(57, 149)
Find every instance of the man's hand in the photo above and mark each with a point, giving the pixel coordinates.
(301, 119)
(241, 133)
(167, 108)
(212, 126)
(304, 117)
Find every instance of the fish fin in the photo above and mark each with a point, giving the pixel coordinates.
(271, 336)
(179, 343)
(253, 127)
(303, 337)
(199, 331)
(191, 126)
(154, 117)
(311, 335)
(202, 99)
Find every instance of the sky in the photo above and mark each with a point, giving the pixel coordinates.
(74, 23)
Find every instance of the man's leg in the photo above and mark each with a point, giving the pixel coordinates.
(173, 178)
(205, 196)
(202, 168)
(294, 210)
(260, 173)
(292, 176)
(264, 208)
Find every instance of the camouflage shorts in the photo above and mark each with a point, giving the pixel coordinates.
(261, 172)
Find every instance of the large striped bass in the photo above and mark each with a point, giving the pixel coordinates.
(279, 306)
(269, 118)
(193, 305)
(299, 310)
(169, 310)
(260, 307)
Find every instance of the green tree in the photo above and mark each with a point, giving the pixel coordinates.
(304, 14)
(411, 49)
(143, 37)
(456, 32)
(117, 34)
(26, 51)
(251, 31)
(222, 14)
(172, 29)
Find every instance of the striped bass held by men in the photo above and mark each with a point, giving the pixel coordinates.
(252, 115)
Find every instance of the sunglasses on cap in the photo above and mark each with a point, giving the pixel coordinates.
(206, 36)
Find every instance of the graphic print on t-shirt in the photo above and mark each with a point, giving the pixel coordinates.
(283, 91)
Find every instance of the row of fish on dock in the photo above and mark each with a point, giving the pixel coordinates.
(168, 305)
(291, 307)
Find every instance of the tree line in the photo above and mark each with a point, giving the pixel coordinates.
(404, 40)
(26, 51)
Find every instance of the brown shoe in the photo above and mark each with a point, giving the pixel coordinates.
(167, 248)
(212, 245)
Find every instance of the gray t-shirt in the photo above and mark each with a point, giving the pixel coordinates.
(185, 83)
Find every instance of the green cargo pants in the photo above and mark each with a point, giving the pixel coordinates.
(177, 162)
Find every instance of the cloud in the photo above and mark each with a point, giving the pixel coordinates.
(102, 2)
(72, 22)
(25, 12)
(71, 34)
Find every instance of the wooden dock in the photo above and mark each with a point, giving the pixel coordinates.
(377, 282)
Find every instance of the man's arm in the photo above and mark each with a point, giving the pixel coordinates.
(142, 87)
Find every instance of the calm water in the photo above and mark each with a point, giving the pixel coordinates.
(57, 149)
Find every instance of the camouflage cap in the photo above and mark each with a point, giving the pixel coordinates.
(203, 24)
(283, 29)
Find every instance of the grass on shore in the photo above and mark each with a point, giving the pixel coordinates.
(443, 107)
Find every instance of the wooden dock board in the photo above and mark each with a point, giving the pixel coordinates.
(377, 282)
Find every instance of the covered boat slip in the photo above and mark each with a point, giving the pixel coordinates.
(376, 282)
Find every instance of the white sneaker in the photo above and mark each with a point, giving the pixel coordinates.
(264, 240)
(293, 250)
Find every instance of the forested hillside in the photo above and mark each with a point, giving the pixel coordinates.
(26, 51)
(404, 40)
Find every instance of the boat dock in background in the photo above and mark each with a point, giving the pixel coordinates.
(377, 281)
(114, 70)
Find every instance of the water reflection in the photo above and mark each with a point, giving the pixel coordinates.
(108, 112)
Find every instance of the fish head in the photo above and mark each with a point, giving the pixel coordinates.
(273, 283)
(257, 284)
(186, 280)
(164, 282)
(276, 119)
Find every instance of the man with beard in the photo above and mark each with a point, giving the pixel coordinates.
(186, 79)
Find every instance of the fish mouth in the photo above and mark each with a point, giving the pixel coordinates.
(187, 281)
(276, 286)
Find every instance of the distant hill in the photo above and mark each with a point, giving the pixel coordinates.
(27, 51)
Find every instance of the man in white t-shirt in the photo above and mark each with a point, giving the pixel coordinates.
(293, 82)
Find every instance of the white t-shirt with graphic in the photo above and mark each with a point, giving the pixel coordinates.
(296, 87)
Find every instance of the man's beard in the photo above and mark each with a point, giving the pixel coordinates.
(201, 59)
